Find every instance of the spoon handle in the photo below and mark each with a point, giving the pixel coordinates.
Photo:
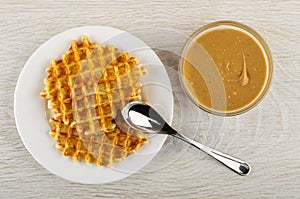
(232, 163)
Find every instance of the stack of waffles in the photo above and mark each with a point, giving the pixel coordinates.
(85, 90)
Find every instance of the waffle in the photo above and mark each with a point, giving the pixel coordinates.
(99, 92)
(59, 81)
(85, 90)
(101, 149)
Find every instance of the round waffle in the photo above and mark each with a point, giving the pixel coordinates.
(85, 90)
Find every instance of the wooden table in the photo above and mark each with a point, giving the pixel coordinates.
(267, 136)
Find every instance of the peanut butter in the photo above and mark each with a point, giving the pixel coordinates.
(240, 64)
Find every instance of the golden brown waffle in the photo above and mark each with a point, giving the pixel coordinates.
(59, 80)
(97, 96)
(85, 90)
(101, 149)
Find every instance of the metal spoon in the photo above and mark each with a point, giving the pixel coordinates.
(142, 117)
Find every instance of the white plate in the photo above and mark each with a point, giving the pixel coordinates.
(30, 112)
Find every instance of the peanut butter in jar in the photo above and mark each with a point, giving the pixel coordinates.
(226, 68)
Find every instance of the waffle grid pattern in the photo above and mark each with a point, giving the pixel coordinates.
(85, 90)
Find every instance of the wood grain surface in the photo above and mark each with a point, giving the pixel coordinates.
(267, 136)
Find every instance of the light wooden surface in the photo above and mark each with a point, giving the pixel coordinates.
(267, 136)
